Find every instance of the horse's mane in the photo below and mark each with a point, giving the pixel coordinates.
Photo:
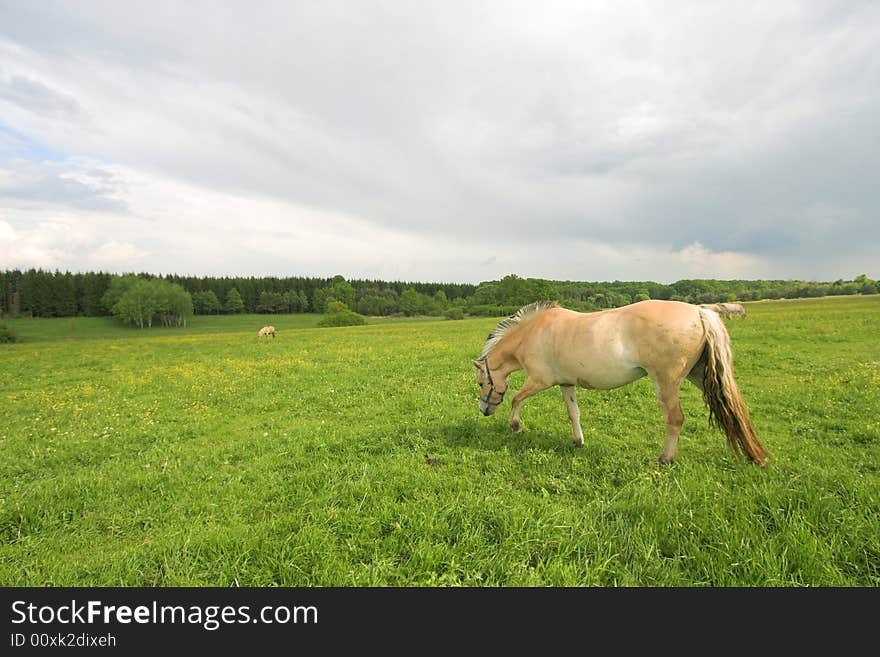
(507, 323)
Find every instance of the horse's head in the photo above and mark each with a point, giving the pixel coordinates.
(491, 391)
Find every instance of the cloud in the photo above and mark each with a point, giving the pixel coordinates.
(726, 264)
(35, 96)
(453, 140)
(116, 255)
(72, 184)
(47, 245)
(7, 234)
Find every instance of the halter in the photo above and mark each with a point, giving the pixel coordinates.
(492, 389)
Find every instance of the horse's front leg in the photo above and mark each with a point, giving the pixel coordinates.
(529, 388)
(574, 414)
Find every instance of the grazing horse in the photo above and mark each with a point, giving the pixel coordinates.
(265, 331)
(733, 309)
(666, 340)
(726, 309)
(716, 308)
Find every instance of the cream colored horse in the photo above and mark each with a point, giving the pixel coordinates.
(666, 340)
(726, 309)
(733, 309)
(714, 307)
(265, 331)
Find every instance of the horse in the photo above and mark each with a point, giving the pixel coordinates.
(733, 309)
(716, 308)
(266, 331)
(668, 341)
(725, 309)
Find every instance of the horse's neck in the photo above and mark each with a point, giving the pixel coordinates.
(503, 358)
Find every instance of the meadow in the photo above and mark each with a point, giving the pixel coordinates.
(356, 456)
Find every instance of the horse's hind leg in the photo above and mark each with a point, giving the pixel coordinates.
(529, 388)
(667, 395)
(574, 413)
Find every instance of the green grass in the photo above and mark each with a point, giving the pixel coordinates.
(207, 457)
(40, 329)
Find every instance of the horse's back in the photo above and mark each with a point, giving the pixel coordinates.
(661, 311)
(666, 336)
(617, 346)
(653, 317)
(659, 319)
(610, 348)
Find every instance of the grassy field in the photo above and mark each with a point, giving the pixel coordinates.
(40, 329)
(356, 456)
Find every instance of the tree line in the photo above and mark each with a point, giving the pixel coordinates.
(42, 293)
(141, 299)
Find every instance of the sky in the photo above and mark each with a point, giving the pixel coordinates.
(442, 141)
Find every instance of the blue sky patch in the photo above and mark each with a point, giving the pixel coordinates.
(15, 144)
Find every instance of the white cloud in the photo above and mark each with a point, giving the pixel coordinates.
(47, 245)
(7, 234)
(566, 140)
(118, 255)
(704, 263)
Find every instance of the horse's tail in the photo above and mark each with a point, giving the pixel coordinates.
(727, 410)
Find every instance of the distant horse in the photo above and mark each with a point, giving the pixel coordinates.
(716, 308)
(725, 309)
(265, 331)
(733, 309)
(666, 340)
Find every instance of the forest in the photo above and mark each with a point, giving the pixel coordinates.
(139, 298)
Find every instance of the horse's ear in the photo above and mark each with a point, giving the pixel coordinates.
(477, 363)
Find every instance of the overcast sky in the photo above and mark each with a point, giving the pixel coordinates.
(442, 140)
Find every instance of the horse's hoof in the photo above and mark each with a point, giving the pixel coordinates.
(665, 461)
(516, 427)
(577, 443)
